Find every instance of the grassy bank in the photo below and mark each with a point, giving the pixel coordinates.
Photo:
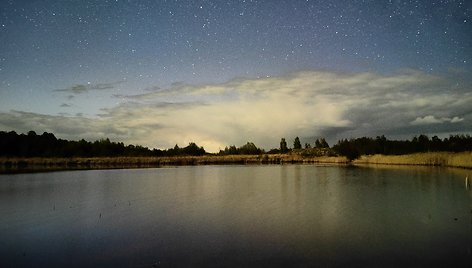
(443, 159)
(38, 164)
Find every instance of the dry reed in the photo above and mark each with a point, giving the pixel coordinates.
(444, 159)
(9, 164)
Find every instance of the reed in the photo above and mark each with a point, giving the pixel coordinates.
(444, 159)
(37, 164)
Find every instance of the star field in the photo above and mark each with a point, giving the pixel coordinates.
(141, 46)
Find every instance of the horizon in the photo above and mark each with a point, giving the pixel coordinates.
(216, 73)
(290, 143)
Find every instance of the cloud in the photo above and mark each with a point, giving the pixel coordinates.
(81, 88)
(65, 105)
(426, 120)
(456, 120)
(430, 119)
(152, 88)
(307, 104)
(63, 126)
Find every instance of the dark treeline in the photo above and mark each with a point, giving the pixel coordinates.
(353, 148)
(191, 149)
(248, 148)
(47, 145)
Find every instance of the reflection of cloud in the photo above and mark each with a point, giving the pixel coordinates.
(65, 105)
(80, 89)
(305, 104)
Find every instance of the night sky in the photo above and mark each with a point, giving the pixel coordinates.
(217, 73)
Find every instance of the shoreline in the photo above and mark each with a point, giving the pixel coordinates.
(437, 159)
(37, 164)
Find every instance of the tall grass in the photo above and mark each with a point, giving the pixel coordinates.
(462, 160)
(8, 164)
(445, 159)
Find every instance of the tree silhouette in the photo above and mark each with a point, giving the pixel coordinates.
(193, 149)
(321, 143)
(297, 144)
(47, 145)
(324, 143)
(248, 148)
(421, 143)
(283, 146)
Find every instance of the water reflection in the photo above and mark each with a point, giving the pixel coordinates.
(236, 216)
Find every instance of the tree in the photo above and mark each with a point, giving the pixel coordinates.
(249, 148)
(193, 149)
(347, 148)
(297, 144)
(283, 146)
(321, 143)
(231, 150)
(324, 144)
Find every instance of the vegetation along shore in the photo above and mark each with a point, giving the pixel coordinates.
(32, 152)
(443, 159)
(38, 164)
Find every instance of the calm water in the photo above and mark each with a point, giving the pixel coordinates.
(236, 216)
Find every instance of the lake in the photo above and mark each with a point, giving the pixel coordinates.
(237, 216)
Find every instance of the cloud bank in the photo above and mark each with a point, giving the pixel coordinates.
(307, 104)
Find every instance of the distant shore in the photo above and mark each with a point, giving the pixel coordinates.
(443, 159)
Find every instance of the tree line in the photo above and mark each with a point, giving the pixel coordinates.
(353, 148)
(47, 145)
(248, 148)
(251, 148)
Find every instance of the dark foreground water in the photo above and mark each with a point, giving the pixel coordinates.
(237, 216)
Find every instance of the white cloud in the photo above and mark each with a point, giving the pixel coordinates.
(305, 104)
(430, 119)
(456, 120)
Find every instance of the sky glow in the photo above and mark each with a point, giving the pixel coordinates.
(218, 73)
